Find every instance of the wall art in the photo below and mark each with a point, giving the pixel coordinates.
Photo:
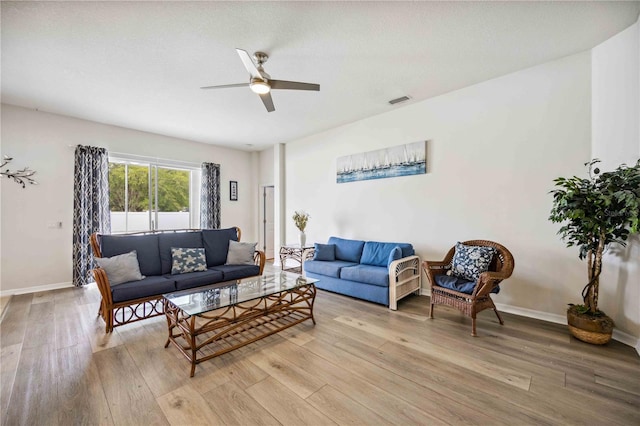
(233, 190)
(402, 160)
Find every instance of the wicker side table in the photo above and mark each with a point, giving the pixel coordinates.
(297, 253)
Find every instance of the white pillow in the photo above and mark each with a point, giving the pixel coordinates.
(240, 253)
(121, 268)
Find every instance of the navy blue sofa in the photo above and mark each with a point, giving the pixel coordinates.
(137, 300)
(374, 271)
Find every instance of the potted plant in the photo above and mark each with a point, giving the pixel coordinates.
(597, 212)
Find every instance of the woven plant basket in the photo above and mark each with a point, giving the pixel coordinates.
(597, 331)
(592, 337)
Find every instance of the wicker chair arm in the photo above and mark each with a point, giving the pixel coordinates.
(432, 268)
(488, 281)
(436, 265)
(259, 259)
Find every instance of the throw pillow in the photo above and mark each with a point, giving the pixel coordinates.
(121, 268)
(240, 253)
(326, 252)
(185, 260)
(470, 261)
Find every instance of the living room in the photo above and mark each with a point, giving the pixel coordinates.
(494, 147)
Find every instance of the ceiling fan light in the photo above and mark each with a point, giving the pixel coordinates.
(260, 86)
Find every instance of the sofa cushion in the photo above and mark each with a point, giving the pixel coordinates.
(120, 268)
(395, 254)
(325, 252)
(150, 286)
(331, 269)
(375, 275)
(176, 239)
(377, 254)
(184, 260)
(407, 249)
(470, 261)
(240, 253)
(146, 247)
(216, 244)
(236, 272)
(195, 279)
(347, 250)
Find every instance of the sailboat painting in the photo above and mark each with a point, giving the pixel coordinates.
(402, 160)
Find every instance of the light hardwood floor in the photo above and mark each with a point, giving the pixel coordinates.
(360, 364)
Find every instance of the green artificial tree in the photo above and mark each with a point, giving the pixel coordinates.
(596, 212)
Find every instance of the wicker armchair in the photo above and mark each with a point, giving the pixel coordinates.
(500, 268)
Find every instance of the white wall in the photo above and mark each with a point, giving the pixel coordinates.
(34, 255)
(494, 149)
(616, 139)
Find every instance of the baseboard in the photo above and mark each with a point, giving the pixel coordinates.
(618, 335)
(35, 289)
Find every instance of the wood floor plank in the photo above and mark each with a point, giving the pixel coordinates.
(496, 372)
(147, 351)
(376, 398)
(545, 410)
(14, 320)
(130, 400)
(416, 366)
(9, 358)
(185, 406)
(80, 393)
(342, 409)
(69, 331)
(286, 406)
(290, 375)
(34, 399)
(447, 409)
(94, 328)
(235, 407)
(237, 369)
(370, 366)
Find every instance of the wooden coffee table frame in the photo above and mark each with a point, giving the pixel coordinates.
(210, 334)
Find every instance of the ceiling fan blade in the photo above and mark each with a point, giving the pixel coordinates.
(249, 65)
(293, 85)
(224, 86)
(267, 101)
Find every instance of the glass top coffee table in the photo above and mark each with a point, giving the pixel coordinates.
(209, 321)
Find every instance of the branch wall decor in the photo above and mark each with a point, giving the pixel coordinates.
(21, 177)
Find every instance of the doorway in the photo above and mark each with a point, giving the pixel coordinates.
(267, 223)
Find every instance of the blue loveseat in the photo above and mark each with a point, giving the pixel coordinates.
(375, 271)
(142, 298)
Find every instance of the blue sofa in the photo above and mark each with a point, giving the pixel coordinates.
(375, 271)
(139, 299)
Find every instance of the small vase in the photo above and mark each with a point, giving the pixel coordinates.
(303, 239)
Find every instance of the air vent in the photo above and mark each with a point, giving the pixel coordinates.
(399, 100)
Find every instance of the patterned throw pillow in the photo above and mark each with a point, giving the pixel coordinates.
(470, 261)
(185, 260)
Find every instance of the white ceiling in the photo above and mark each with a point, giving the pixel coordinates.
(140, 65)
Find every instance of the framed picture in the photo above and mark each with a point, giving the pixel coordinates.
(233, 190)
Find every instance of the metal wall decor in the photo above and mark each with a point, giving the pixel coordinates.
(401, 160)
(233, 190)
(21, 177)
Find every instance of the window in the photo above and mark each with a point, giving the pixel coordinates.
(146, 196)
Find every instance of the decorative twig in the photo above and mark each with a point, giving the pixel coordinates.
(21, 177)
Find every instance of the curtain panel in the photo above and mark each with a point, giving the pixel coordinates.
(210, 196)
(90, 207)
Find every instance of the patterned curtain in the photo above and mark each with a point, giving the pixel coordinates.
(90, 207)
(210, 196)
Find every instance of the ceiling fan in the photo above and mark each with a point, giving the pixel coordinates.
(261, 83)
